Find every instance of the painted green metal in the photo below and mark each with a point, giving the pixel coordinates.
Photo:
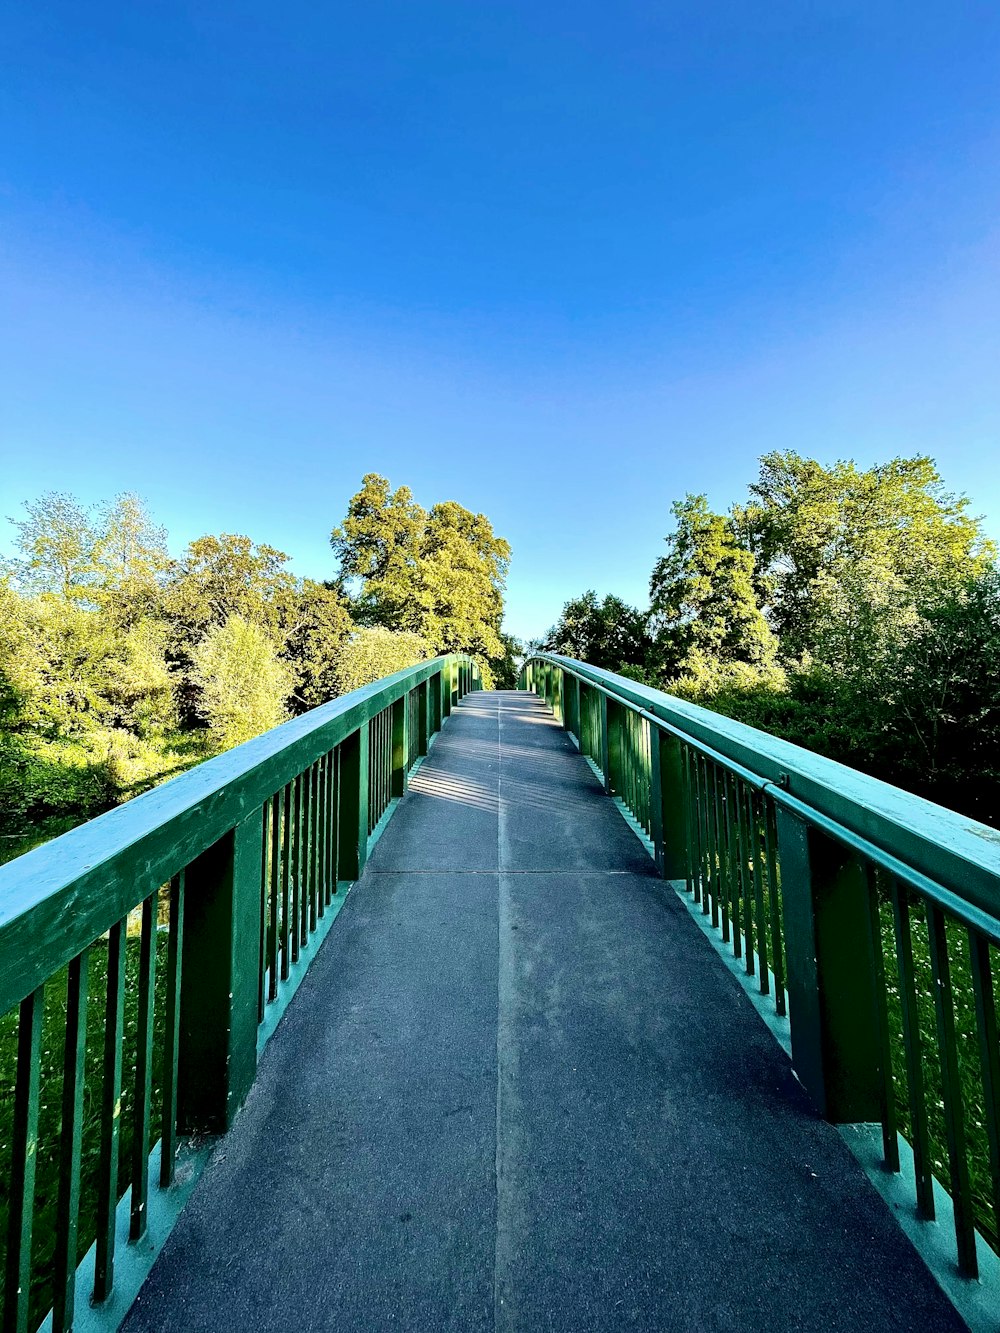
(143, 1087)
(218, 1012)
(172, 1030)
(24, 1155)
(71, 1143)
(785, 852)
(912, 1052)
(111, 1099)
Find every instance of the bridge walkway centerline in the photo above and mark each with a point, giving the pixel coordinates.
(516, 1091)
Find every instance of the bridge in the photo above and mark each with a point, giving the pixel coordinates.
(575, 1007)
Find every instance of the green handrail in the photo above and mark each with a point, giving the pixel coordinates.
(196, 908)
(869, 915)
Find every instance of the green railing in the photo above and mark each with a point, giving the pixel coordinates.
(871, 915)
(144, 959)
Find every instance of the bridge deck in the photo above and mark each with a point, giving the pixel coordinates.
(517, 1091)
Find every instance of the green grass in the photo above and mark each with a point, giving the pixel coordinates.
(50, 1113)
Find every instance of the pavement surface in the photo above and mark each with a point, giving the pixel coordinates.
(518, 1091)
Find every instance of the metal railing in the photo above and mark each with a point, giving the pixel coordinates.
(144, 957)
(870, 915)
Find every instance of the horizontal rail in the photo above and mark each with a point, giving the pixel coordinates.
(869, 915)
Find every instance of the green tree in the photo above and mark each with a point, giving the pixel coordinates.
(844, 556)
(131, 560)
(703, 600)
(378, 548)
(372, 652)
(229, 575)
(314, 640)
(59, 547)
(608, 633)
(440, 575)
(463, 571)
(243, 683)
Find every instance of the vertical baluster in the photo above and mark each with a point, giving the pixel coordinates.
(746, 871)
(727, 863)
(887, 1092)
(265, 880)
(312, 788)
(911, 1047)
(989, 1056)
(24, 1153)
(70, 1145)
(954, 1112)
(323, 838)
(754, 804)
(716, 843)
(272, 980)
(172, 1031)
(704, 831)
(689, 812)
(143, 1071)
(111, 1108)
(296, 866)
(286, 878)
(774, 909)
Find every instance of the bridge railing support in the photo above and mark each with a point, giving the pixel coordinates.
(858, 909)
(202, 901)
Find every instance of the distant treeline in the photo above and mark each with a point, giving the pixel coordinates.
(121, 663)
(855, 612)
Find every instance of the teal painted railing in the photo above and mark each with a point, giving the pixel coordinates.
(145, 957)
(870, 915)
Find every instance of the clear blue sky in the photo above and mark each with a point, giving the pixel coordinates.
(561, 262)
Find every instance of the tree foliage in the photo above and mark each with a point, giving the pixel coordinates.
(703, 599)
(608, 633)
(372, 652)
(120, 665)
(243, 683)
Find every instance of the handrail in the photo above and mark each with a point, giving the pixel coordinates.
(870, 915)
(165, 938)
(58, 897)
(946, 846)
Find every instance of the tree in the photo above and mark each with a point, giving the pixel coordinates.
(378, 547)
(844, 556)
(242, 682)
(229, 575)
(609, 634)
(703, 600)
(314, 641)
(440, 575)
(942, 699)
(59, 547)
(463, 570)
(372, 652)
(131, 559)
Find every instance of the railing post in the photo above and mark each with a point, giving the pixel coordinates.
(573, 708)
(353, 807)
(217, 1051)
(400, 745)
(667, 798)
(613, 712)
(605, 741)
(423, 709)
(831, 984)
(444, 684)
(455, 694)
(557, 694)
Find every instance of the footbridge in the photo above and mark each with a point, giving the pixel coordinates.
(574, 1007)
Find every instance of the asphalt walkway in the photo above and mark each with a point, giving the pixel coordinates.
(517, 1091)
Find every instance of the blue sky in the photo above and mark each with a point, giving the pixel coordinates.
(562, 263)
